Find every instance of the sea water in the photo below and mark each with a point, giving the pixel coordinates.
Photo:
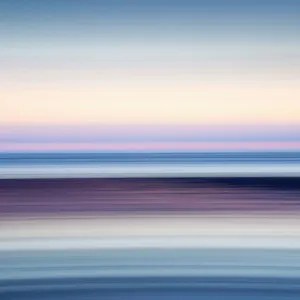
(52, 165)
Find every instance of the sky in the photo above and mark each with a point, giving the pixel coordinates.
(156, 75)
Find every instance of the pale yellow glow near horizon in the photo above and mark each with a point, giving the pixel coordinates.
(152, 102)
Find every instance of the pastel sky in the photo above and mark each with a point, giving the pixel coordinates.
(157, 75)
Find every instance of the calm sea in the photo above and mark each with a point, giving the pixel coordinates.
(19, 165)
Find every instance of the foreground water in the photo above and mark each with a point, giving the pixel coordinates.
(151, 274)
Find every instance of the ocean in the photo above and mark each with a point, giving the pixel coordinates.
(218, 225)
(54, 165)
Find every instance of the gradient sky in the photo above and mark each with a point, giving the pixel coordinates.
(162, 74)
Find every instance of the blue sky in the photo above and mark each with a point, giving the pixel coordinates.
(149, 64)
